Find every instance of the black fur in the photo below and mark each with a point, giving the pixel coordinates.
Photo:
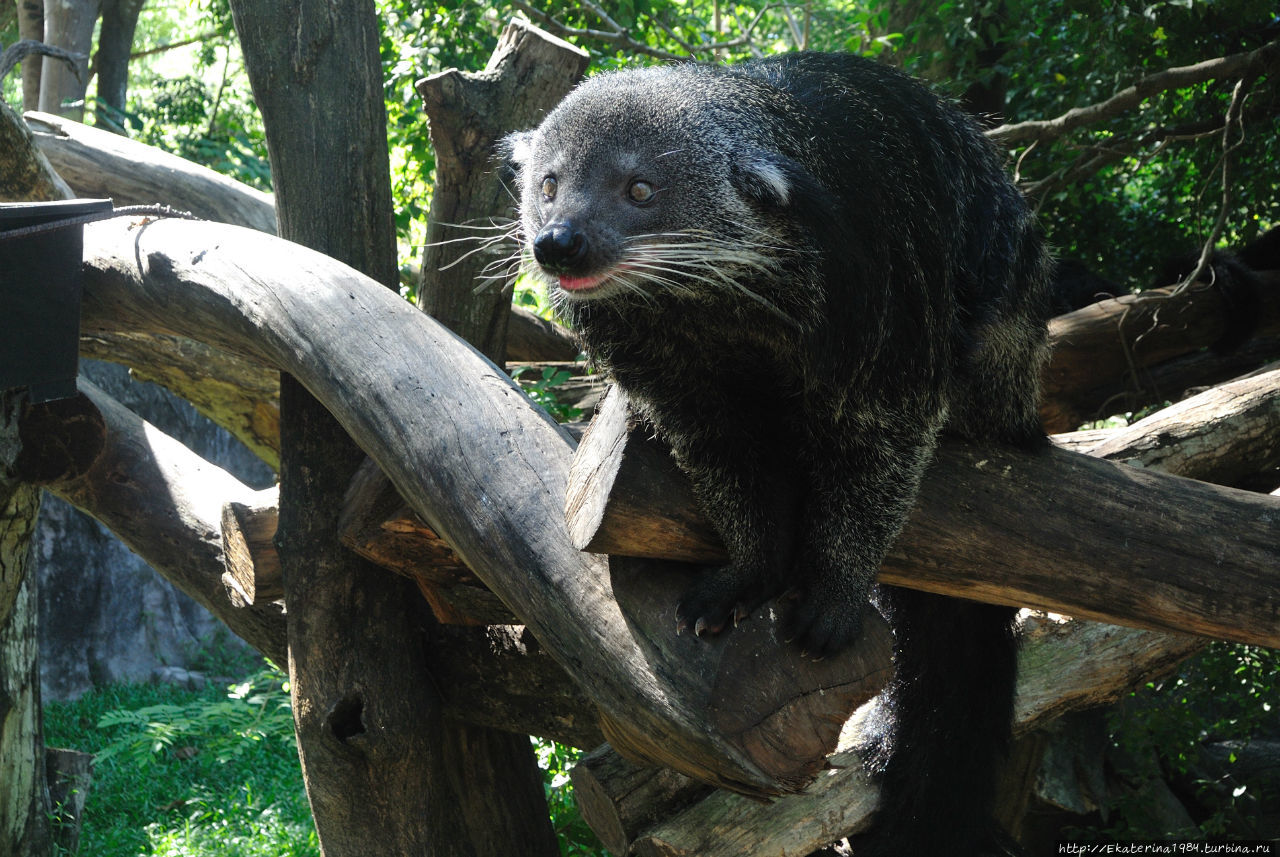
(802, 270)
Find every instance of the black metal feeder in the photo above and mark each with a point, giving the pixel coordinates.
(40, 286)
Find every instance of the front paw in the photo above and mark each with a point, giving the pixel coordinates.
(821, 627)
(719, 597)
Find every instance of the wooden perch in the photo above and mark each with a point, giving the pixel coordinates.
(97, 163)
(1097, 349)
(164, 502)
(253, 574)
(1063, 667)
(1057, 531)
(487, 471)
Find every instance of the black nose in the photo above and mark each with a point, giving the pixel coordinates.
(559, 246)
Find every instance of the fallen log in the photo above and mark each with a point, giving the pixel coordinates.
(97, 163)
(1224, 435)
(1055, 530)
(487, 471)
(1099, 351)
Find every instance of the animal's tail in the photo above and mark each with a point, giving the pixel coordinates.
(946, 727)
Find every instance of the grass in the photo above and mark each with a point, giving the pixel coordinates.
(214, 773)
(188, 775)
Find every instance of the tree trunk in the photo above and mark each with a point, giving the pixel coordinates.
(68, 24)
(24, 800)
(115, 42)
(382, 767)
(529, 72)
(31, 26)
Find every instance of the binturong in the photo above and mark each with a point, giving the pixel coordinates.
(802, 270)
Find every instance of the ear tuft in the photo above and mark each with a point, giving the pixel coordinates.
(767, 177)
(515, 148)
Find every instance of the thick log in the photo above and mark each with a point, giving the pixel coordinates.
(239, 395)
(1056, 530)
(1224, 435)
(97, 163)
(253, 573)
(528, 73)
(487, 471)
(165, 503)
(1097, 350)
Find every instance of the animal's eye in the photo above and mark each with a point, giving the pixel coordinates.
(640, 192)
(549, 187)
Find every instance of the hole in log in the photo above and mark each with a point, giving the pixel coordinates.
(346, 720)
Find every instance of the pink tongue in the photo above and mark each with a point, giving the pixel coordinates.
(575, 284)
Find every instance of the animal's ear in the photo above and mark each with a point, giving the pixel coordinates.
(771, 179)
(515, 149)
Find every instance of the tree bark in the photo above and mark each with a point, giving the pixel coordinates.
(24, 800)
(487, 471)
(988, 526)
(529, 72)
(383, 769)
(97, 163)
(25, 174)
(68, 24)
(31, 26)
(115, 42)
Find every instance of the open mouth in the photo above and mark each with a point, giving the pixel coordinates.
(582, 284)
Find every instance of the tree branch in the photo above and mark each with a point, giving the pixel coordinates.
(1261, 61)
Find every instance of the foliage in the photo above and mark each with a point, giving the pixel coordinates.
(214, 773)
(1225, 693)
(575, 838)
(542, 390)
(192, 773)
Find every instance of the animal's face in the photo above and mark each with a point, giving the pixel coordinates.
(631, 188)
